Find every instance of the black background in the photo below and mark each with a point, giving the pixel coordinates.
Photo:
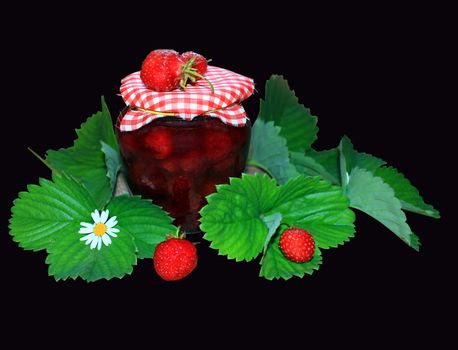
(380, 75)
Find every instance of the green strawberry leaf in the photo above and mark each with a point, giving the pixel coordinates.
(50, 215)
(317, 207)
(272, 222)
(107, 134)
(147, 223)
(329, 160)
(344, 166)
(371, 195)
(233, 218)
(309, 166)
(113, 162)
(141, 225)
(49, 211)
(367, 161)
(85, 161)
(298, 125)
(350, 159)
(71, 258)
(274, 265)
(269, 152)
(357, 159)
(408, 195)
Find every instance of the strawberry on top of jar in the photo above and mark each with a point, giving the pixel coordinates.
(165, 70)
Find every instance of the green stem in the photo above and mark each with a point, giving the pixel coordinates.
(41, 159)
(190, 73)
(208, 81)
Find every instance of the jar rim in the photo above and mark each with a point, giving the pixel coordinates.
(176, 121)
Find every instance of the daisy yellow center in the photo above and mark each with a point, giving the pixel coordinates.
(100, 229)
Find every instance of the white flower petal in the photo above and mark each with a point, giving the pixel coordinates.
(104, 216)
(96, 216)
(112, 222)
(87, 237)
(94, 242)
(106, 240)
(86, 224)
(110, 232)
(85, 230)
(99, 243)
(90, 239)
(113, 229)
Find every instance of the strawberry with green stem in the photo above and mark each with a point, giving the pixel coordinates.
(175, 258)
(164, 70)
(194, 69)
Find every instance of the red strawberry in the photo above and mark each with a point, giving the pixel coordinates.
(191, 162)
(162, 70)
(194, 69)
(199, 64)
(217, 145)
(165, 70)
(175, 258)
(159, 141)
(297, 245)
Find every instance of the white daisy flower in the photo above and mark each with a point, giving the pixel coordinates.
(100, 231)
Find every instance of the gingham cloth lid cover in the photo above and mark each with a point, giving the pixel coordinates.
(230, 89)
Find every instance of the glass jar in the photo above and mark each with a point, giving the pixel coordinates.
(177, 163)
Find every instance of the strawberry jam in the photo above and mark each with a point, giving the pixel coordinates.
(176, 163)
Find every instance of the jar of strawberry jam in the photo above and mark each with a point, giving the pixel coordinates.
(177, 163)
(176, 158)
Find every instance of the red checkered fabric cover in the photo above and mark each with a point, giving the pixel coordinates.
(230, 89)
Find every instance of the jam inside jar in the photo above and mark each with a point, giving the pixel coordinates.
(177, 162)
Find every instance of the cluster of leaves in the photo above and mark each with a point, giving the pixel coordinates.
(259, 212)
(306, 188)
(48, 216)
(241, 218)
